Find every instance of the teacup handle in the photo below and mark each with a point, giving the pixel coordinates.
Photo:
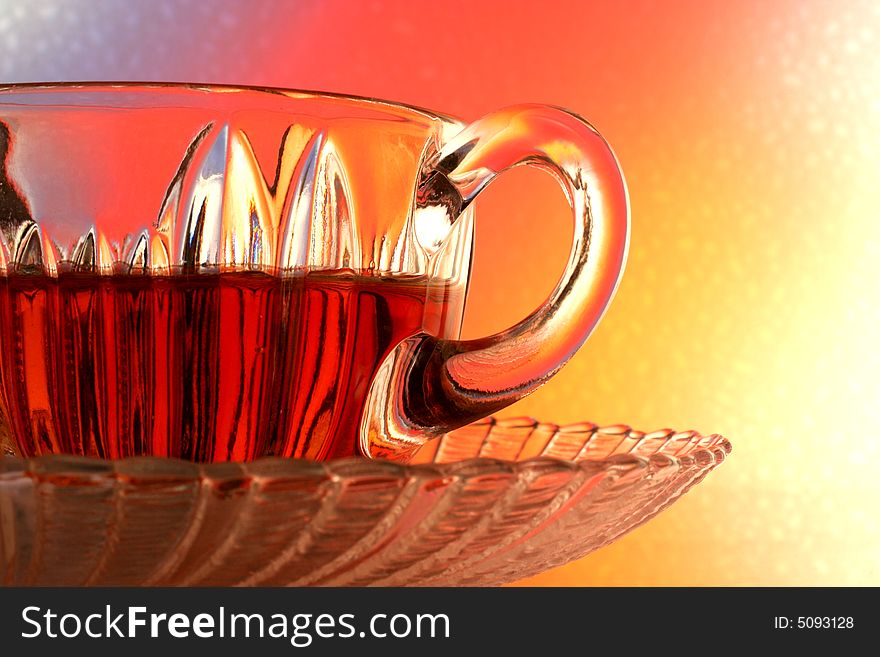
(433, 386)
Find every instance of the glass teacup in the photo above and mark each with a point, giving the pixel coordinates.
(220, 273)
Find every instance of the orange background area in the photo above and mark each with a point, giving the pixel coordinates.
(749, 134)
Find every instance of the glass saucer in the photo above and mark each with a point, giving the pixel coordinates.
(491, 503)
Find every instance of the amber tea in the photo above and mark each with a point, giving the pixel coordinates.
(204, 367)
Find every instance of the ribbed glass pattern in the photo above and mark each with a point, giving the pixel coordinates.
(490, 503)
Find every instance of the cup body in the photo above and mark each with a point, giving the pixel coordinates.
(212, 273)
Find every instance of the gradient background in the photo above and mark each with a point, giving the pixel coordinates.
(749, 134)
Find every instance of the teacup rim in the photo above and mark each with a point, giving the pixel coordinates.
(215, 86)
